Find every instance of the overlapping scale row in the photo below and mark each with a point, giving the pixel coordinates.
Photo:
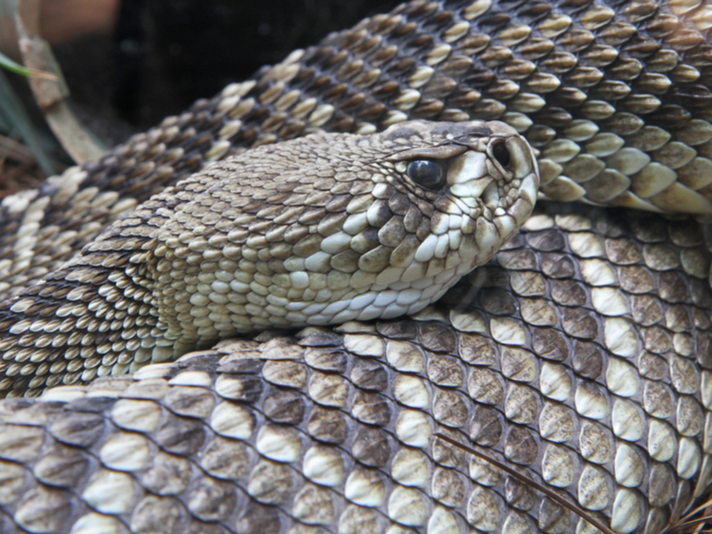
(580, 357)
(615, 97)
(315, 231)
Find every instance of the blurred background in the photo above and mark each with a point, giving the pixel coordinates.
(129, 63)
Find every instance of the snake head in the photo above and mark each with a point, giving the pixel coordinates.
(334, 227)
(481, 179)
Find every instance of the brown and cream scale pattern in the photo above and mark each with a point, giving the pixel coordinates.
(580, 355)
(318, 230)
(615, 97)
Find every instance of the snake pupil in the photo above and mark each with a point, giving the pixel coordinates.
(501, 154)
(427, 173)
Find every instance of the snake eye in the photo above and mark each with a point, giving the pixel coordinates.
(500, 152)
(427, 173)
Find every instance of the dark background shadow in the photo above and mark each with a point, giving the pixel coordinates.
(164, 54)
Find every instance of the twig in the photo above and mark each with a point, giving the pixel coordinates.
(12, 66)
(689, 520)
(575, 508)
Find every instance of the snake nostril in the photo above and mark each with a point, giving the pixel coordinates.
(500, 152)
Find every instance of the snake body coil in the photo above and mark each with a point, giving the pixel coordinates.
(580, 355)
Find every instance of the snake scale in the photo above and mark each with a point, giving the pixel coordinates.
(579, 356)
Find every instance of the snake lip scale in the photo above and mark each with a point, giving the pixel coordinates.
(579, 355)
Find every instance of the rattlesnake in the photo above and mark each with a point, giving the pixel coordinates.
(585, 361)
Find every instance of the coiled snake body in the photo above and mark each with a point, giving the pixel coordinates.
(580, 355)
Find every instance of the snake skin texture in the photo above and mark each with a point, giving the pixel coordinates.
(318, 230)
(580, 356)
(614, 95)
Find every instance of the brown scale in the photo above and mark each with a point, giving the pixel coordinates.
(553, 313)
(230, 250)
(588, 80)
(549, 359)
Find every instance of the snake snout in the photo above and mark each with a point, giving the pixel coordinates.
(510, 157)
(492, 172)
(495, 183)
